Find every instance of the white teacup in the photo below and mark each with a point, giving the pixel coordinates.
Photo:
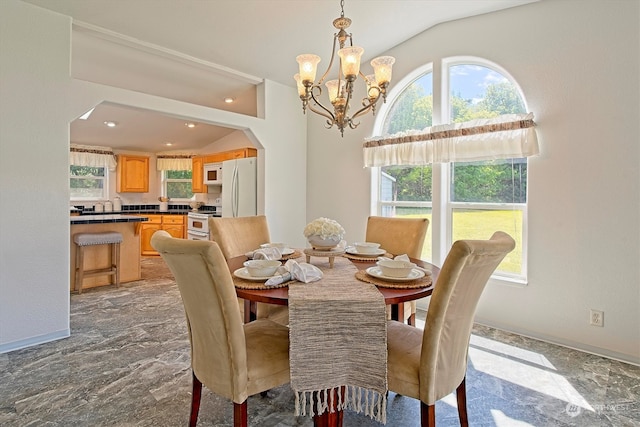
(367, 247)
(395, 268)
(281, 246)
(262, 267)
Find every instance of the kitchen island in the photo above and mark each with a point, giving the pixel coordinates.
(98, 256)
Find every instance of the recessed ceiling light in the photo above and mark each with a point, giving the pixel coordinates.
(229, 100)
(190, 125)
(168, 144)
(111, 124)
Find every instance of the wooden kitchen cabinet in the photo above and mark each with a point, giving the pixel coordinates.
(197, 175)
(147, 229)
(239, 153)
(172, 224)
(132, 174)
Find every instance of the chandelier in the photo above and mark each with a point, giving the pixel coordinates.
(340, 90)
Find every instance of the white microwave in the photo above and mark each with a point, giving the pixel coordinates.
(213, 173)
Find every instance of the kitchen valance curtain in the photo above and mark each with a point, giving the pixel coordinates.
(174, 162)
(504, 137)
(92, 156)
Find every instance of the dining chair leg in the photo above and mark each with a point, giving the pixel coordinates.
(411, 320)
(461, 394)
(427, 415)
(240, 414)
(195, 401)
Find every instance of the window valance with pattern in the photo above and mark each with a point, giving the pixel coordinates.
(174, 162)
(504, 137)
(92, 156)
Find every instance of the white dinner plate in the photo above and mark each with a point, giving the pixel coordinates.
(376, 272)
(353, 251)
(242, 273)
(287, 251)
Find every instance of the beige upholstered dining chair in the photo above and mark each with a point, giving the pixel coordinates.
(428, 365)
(237, 236)
(399, 236)
(232, 359)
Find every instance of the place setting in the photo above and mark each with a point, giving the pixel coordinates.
(364, 251)
(399, 272)
(274, 251)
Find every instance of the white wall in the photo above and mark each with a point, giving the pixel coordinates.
(34, 141)
(578, 65)
(37, 103)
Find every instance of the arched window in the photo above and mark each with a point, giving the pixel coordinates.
(462, 200)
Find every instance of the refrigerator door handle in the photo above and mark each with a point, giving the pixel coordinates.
(235, 188)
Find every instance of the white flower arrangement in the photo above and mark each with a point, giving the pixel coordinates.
(325, 228)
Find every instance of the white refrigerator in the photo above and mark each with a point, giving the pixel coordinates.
(239, 187)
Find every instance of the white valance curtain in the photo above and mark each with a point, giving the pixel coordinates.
(174, 162)
(92, 156)
(504, 137)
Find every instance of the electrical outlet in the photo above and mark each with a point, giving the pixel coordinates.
(597, 317)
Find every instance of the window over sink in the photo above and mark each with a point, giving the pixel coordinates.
(176, 184)
(88, 183)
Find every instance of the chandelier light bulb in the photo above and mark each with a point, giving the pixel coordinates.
(301, 89)
(382, 69)
(350, 60)
(308, 66)
(335, 88)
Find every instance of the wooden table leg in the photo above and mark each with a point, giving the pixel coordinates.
(250, 311)
(328, 418)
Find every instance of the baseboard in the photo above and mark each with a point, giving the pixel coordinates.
(626, 358)
(40, 339)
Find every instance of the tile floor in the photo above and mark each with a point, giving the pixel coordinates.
(127, 364)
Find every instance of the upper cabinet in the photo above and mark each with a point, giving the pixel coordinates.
(197, 175)
(132, 174)
(240, 153)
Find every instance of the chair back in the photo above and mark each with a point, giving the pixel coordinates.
(445, 343)
(398, 235)
(218, 349)
(237, 236)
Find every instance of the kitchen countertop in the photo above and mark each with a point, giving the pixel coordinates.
(105, 218)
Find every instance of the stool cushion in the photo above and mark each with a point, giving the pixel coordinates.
(87, 239)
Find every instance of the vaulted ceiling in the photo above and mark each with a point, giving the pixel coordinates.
(201, 51)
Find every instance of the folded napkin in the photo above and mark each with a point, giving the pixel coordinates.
(267, 253)
(294, 270)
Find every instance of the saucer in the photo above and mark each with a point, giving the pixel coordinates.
(353, 251)
(377, 273)
(242, 273)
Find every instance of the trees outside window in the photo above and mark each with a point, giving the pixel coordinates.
(177, 184)
(88, 183)
(472, 199)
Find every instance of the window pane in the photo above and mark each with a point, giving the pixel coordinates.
(171, 174)
(481, 224)
(498, 181)
(478, 92)
(406, 183)
(179, 189)
(413, 109)
(86, 182)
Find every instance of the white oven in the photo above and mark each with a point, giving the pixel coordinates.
(198, 225)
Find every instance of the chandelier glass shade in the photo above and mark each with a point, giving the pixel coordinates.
(340, 89)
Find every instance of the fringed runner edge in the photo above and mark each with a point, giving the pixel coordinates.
(374, 404)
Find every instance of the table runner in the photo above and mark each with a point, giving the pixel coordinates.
(338, 338)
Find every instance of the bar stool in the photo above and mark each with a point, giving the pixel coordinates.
(111, 238)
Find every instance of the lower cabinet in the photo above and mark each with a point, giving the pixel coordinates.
(172, 224)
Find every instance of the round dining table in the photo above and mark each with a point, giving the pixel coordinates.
(394, 297)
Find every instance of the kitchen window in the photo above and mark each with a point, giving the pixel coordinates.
(462, 200)
(176, 184)
(88, 183)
